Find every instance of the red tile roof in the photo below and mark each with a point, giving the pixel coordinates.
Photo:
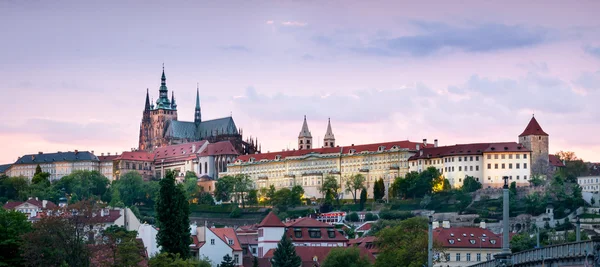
(310, 254)
(271, 220)
(533, 128)
(367, 242)
(469, 149)
(112, 216)
(195, 243)
(364, 227)
(176, 151)
(107, 158)
(228, 234)
(38, 203)
(333, 150)
(136, 155)
(470, 237)
(219, 148)
(307, 222)
(555, 161)
(248, 239)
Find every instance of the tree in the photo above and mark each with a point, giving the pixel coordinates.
(404, 244)
(38, 170)
(11, 188)
(521, 242)
(252, 197)
(190, 174)
(13, 224)
(513, 189)
(205, 198)
(224, 188)
(378, 190)
(352, 217)
(174, 260)
(41, 178)
(346, 257)
(354, 183)
(241, 185)
(281, 199)
(363, 198)
(191, 188)
(118, 247)
(56, 241)
(227, 261)
(592, 201)
(536, 180)
(271, 194)
(85, 184)
(470, 184)
(285, 254)
(296, 196)
(130, 188)
(330, 189)
(172, 213)
(255, 262)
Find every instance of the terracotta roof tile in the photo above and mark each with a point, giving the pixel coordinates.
(37, 203)
(271, 220)
(219, 148)
(555, 161)
(469, 149)
(307, 222)
(180, 150)
(136, 155)
(533, 128)
(228, 234)
(107, 158)
(470, 237)
(308, 254)
(365, 227)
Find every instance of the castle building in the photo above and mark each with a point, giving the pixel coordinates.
(304, 138)
(329, 139)
(536, 140)
(56, 164)
(160, 126)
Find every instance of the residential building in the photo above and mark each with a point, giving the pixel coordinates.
(215, 243)
(589, 183)
(106, 166)
(31, 207)
(160, 126)
(555, 163)
(309, 232)
(248, 236)
(309, 167)
(270, 231)
(148, 233)
(56, 164)
(315, 256)
(138, 161)
(465, 246)
(3, 168)
(366, 242)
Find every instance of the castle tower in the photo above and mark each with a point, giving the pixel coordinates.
(304, 138)
(145, 124)
(329, 139)
(197, 111)
(535, 139)
(161, 115)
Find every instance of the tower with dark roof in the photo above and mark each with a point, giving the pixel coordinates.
(304, 138)
(329, 139)
(535, 139)
(197, 111)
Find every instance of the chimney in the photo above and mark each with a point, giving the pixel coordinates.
(446, 224)
(435, 143)
(193, 148)
(40, 152)
(109, 153)
(482, 224)
(418, 147)
(102, 154)
(76, 151)
(436, 224)
(424, 142)
(44, 203)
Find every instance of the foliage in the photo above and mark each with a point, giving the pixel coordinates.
(370, 217)
(296, 196)
(346, 257)
(255, 262)
(172, 213)
(352, 217)
(252, 197)
(11, 188)
(470, 184)
(271, 194)
(513, 189)
(392, 243)
(205, 198)
(174, 260)
(224, 188)
(416, 184)
(363, 198)
(536, 180)
(242, 184)
(285, 254)
(129, 188)
(235, 213)
(120, 247)
(378, 190)
(354, 183)
(13, 224)
(85, 184)
(521, 242)
(192, 190)
(331, 190)
(281, 199)
(394, 215)
(40, 177)
(574, 167)
(190, 174)
(227, 261)
(56, 241)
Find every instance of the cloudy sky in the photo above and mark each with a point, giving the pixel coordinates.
(74, 74)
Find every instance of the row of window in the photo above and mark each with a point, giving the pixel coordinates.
(510, 177)
(504, 156)
(457, 257)
(460, 168)
(510, 166)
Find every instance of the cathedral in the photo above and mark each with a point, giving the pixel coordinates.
(160, 127)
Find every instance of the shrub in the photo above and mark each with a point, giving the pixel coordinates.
(235, 213)
(395, 215)
(370, 217)
(352, 217)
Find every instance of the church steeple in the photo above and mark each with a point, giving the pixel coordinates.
(173, 104)
(197, 111)
(163, 93)
(329, 139)
(147, 106)
(304, 138)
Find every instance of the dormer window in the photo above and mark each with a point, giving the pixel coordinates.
(352, 151)
(298, 233)
(493, 241)
(331, 233)
(251, 160)
(451, 241)
(451, 234)
(381, 148)
(484, 235)
(472, 241)
(394, 147)
(458, 240)
(230, 242)
(464, 234)
(278, 157)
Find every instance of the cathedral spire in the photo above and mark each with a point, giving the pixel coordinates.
(305, 132)
(329, 139)
(304, 138)
(197, 113)
(163, 101)
(147, 106)
(173, 104)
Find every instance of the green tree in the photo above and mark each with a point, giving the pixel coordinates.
(271, 194)
(86, 184)
(174, 260)
(521, 242)
(281, 199)
(206, 198)
(190, 174)
(227, 261)
(119, 248)
(346, 257)
(252, 197)
(536, 180)
(378, 190)
(241, 185)
(130, 188)
(392, 243)
(330, 190)
(172, 213)
(13, 224)
(192, 190)
(354, 183)
(255, 262)
(285, 254)
(470, 184)
(41, 178)
(38, 170)
(13, 188)
(296, 195)
(370, 217)
(352, 217)
(363, 198)
(224, 188)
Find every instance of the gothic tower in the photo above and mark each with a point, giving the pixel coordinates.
(160, 116)
(145, 124)
(304, 138)
(536, 140)
(329, 139)
(197, 113)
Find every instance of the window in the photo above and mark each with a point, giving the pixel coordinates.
(493, 241)
(297, 233)
(452, 168)
(524, 156)
(447, 257)
(488, 256)
(503, 166)
(524, 177)
(253, 250)
(517, 177)
(478, 256)
(496, 166)
(489, 156)
(459, 168)
(465, 158)
(477, 168)
(496, 156)
(471, 159)
(457, 256)
(524, 165)
(468, 256)
(230, 242)
(518, 165)
(517, 156)
(314, 233)
(331, 233)
(212, 241)
(476, 158)
(510, 165)
(470, 168)
(236, 258)
(503, 156)
(489, 166)
(459, 158)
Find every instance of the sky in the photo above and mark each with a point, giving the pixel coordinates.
(74, 73)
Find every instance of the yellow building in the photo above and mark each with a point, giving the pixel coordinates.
(56, 164)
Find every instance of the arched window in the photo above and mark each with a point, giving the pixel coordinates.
(200, 168)
(205, 167)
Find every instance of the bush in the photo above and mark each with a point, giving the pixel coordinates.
(395, 215)
(352, 217)
(370, 217)
(235, 213)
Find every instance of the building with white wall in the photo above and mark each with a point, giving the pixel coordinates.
(214, 243)
(589, 183)
(57, 164)
(465, 246)
(31, 207)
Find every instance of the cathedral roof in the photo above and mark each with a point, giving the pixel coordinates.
(181, 129)
(329, 133)
(217, 127)
(533, 128)
(305, 132)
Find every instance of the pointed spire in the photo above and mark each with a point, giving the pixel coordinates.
(305, 132)
(533, 128)
(173, 104)
(163, 78)
(198, 96)
(329, 132)
(147, 106)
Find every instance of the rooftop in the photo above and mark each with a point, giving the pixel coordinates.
(41, 158)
